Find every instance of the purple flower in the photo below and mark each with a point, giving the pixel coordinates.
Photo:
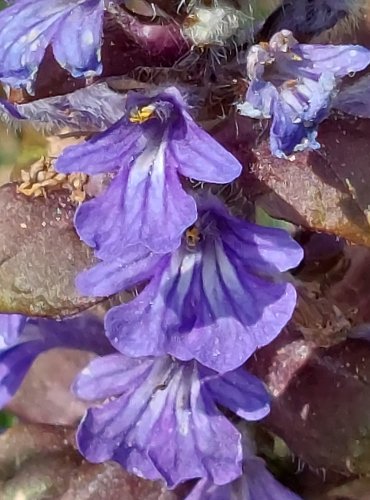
(26, 338)
(72, 27)
(148, 149)
(216, 299)
(90, 109)
(160, 417)
(11, 327)
(256, 483)
(294, 85)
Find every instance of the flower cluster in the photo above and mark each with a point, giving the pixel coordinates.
(296, 85)
(207, 288)
(209, 293)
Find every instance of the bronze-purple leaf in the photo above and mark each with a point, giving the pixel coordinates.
(40, 255)
(40, 461)
(324, 190)
(321, 400)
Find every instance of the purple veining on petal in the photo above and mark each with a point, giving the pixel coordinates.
(164, 413)
(147, 149)
(217, 298)
(72, 27)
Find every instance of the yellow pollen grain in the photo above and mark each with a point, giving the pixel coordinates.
(295, 57)
(141, 115)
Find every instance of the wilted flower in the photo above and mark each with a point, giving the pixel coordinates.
(149, 148)
(72, 27)
(91, 109)
(217, 298)
(294, 85)
(23, 339)
(160, 417)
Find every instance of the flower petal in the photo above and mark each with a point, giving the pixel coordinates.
(91, 108)
(206, 490)
(241, 392)
(256, 483)
(262, 485)
(122, 323)
(83, 332)
(11, 327)
(103, 378)
(78, 50)
(27, 27)
(237, 314)
(144, 204)
(262, 249)
(165, 308)
(14, 365)
(340, 60)
(121, 273)
(199, 156)
(259, 99)
(208, 308)
(165, 415)
(105, 152)
(287, 136)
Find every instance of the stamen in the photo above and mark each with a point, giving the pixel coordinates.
(141, 115)
(193, 237)
(295, 57)
(290, 83)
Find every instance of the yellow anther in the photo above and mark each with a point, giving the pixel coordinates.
(290, 83)
(193, 236)
(295, 57)
(141, 115)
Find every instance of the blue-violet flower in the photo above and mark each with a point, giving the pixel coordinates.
(217, 298)
(160, 418)
(145, 203)
(72, 27)
(294, 85)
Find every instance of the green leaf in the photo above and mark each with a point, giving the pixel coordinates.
(264, 219)
(7, 419)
